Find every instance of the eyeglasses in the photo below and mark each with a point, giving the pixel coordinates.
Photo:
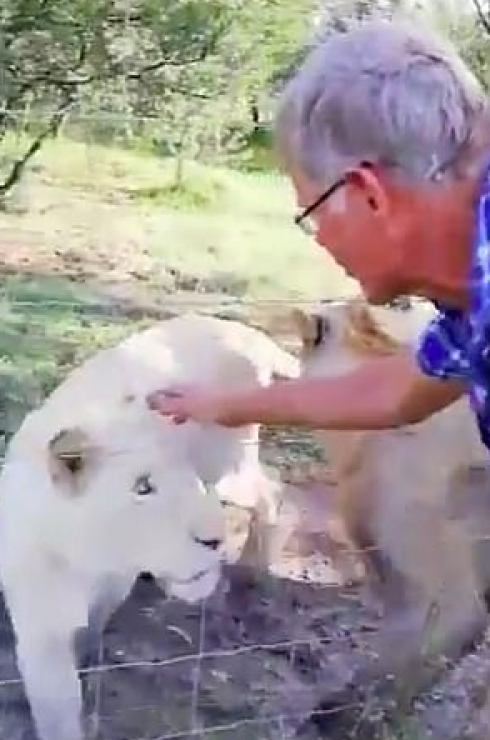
(304, 220)
(434, 173)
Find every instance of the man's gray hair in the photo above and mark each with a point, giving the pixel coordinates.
(385, 92)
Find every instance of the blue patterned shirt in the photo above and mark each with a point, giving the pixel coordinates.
(456, 344)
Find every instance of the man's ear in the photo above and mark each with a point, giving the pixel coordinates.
(70, 450)
(368, 184)
(311, 327)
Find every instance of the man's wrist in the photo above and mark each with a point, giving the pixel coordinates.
(260, 405)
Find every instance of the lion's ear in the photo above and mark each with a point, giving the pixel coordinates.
(70, 451)
(366, 334)
(70, 448)
(311, 327)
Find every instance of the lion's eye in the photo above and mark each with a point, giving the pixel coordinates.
(143, 486)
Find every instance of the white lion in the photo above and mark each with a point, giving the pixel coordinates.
(97, 489)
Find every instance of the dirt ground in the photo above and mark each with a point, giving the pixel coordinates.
(279, 645)
(270, 642)
(279, 652)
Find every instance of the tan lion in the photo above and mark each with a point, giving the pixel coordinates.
(415, 501)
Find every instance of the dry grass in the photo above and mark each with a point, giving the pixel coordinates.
(97, 240)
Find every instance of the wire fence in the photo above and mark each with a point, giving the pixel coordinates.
(213, 680)
(93, 256)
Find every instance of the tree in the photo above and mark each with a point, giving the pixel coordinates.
(467, 26)
(475, 38)
(172, 61)
(57, 53)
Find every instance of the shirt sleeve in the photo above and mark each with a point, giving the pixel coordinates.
(441, 350)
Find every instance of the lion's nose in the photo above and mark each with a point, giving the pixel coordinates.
(212, 544)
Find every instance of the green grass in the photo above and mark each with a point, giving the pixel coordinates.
(45, 329)
(218, 222)
(105, 229)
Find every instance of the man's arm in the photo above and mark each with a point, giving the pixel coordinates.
(384, 392)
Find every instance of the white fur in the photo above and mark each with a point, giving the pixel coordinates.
(73, 542)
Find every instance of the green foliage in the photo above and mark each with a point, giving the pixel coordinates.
(473, 41)
(257, 154)
(178, 74)
(189, 194)
(188, 79)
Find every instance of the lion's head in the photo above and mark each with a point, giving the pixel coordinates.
(119, 496)
(336, 336)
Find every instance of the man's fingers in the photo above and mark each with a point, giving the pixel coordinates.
(157, 399)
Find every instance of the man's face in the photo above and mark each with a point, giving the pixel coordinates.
(359, 228)
(392, 238)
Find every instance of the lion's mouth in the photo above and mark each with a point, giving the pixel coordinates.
(186, 581)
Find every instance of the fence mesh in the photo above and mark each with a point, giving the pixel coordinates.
(167, 670)
(96, 244)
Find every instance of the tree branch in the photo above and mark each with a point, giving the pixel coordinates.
(27, 21)
(51, 129)
(485, 22)
(139, 74)
(49, 79)
(11, 101)
(188, 93)
(159, 64)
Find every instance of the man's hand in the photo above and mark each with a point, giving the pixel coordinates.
(190, 403)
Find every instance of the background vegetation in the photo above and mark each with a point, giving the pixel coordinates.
(137, 170)
(138, 176)
(137, 167)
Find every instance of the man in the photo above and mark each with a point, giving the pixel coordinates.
(385, 135)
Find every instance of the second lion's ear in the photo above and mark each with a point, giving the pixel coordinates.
(366, 334)
(311, 327)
